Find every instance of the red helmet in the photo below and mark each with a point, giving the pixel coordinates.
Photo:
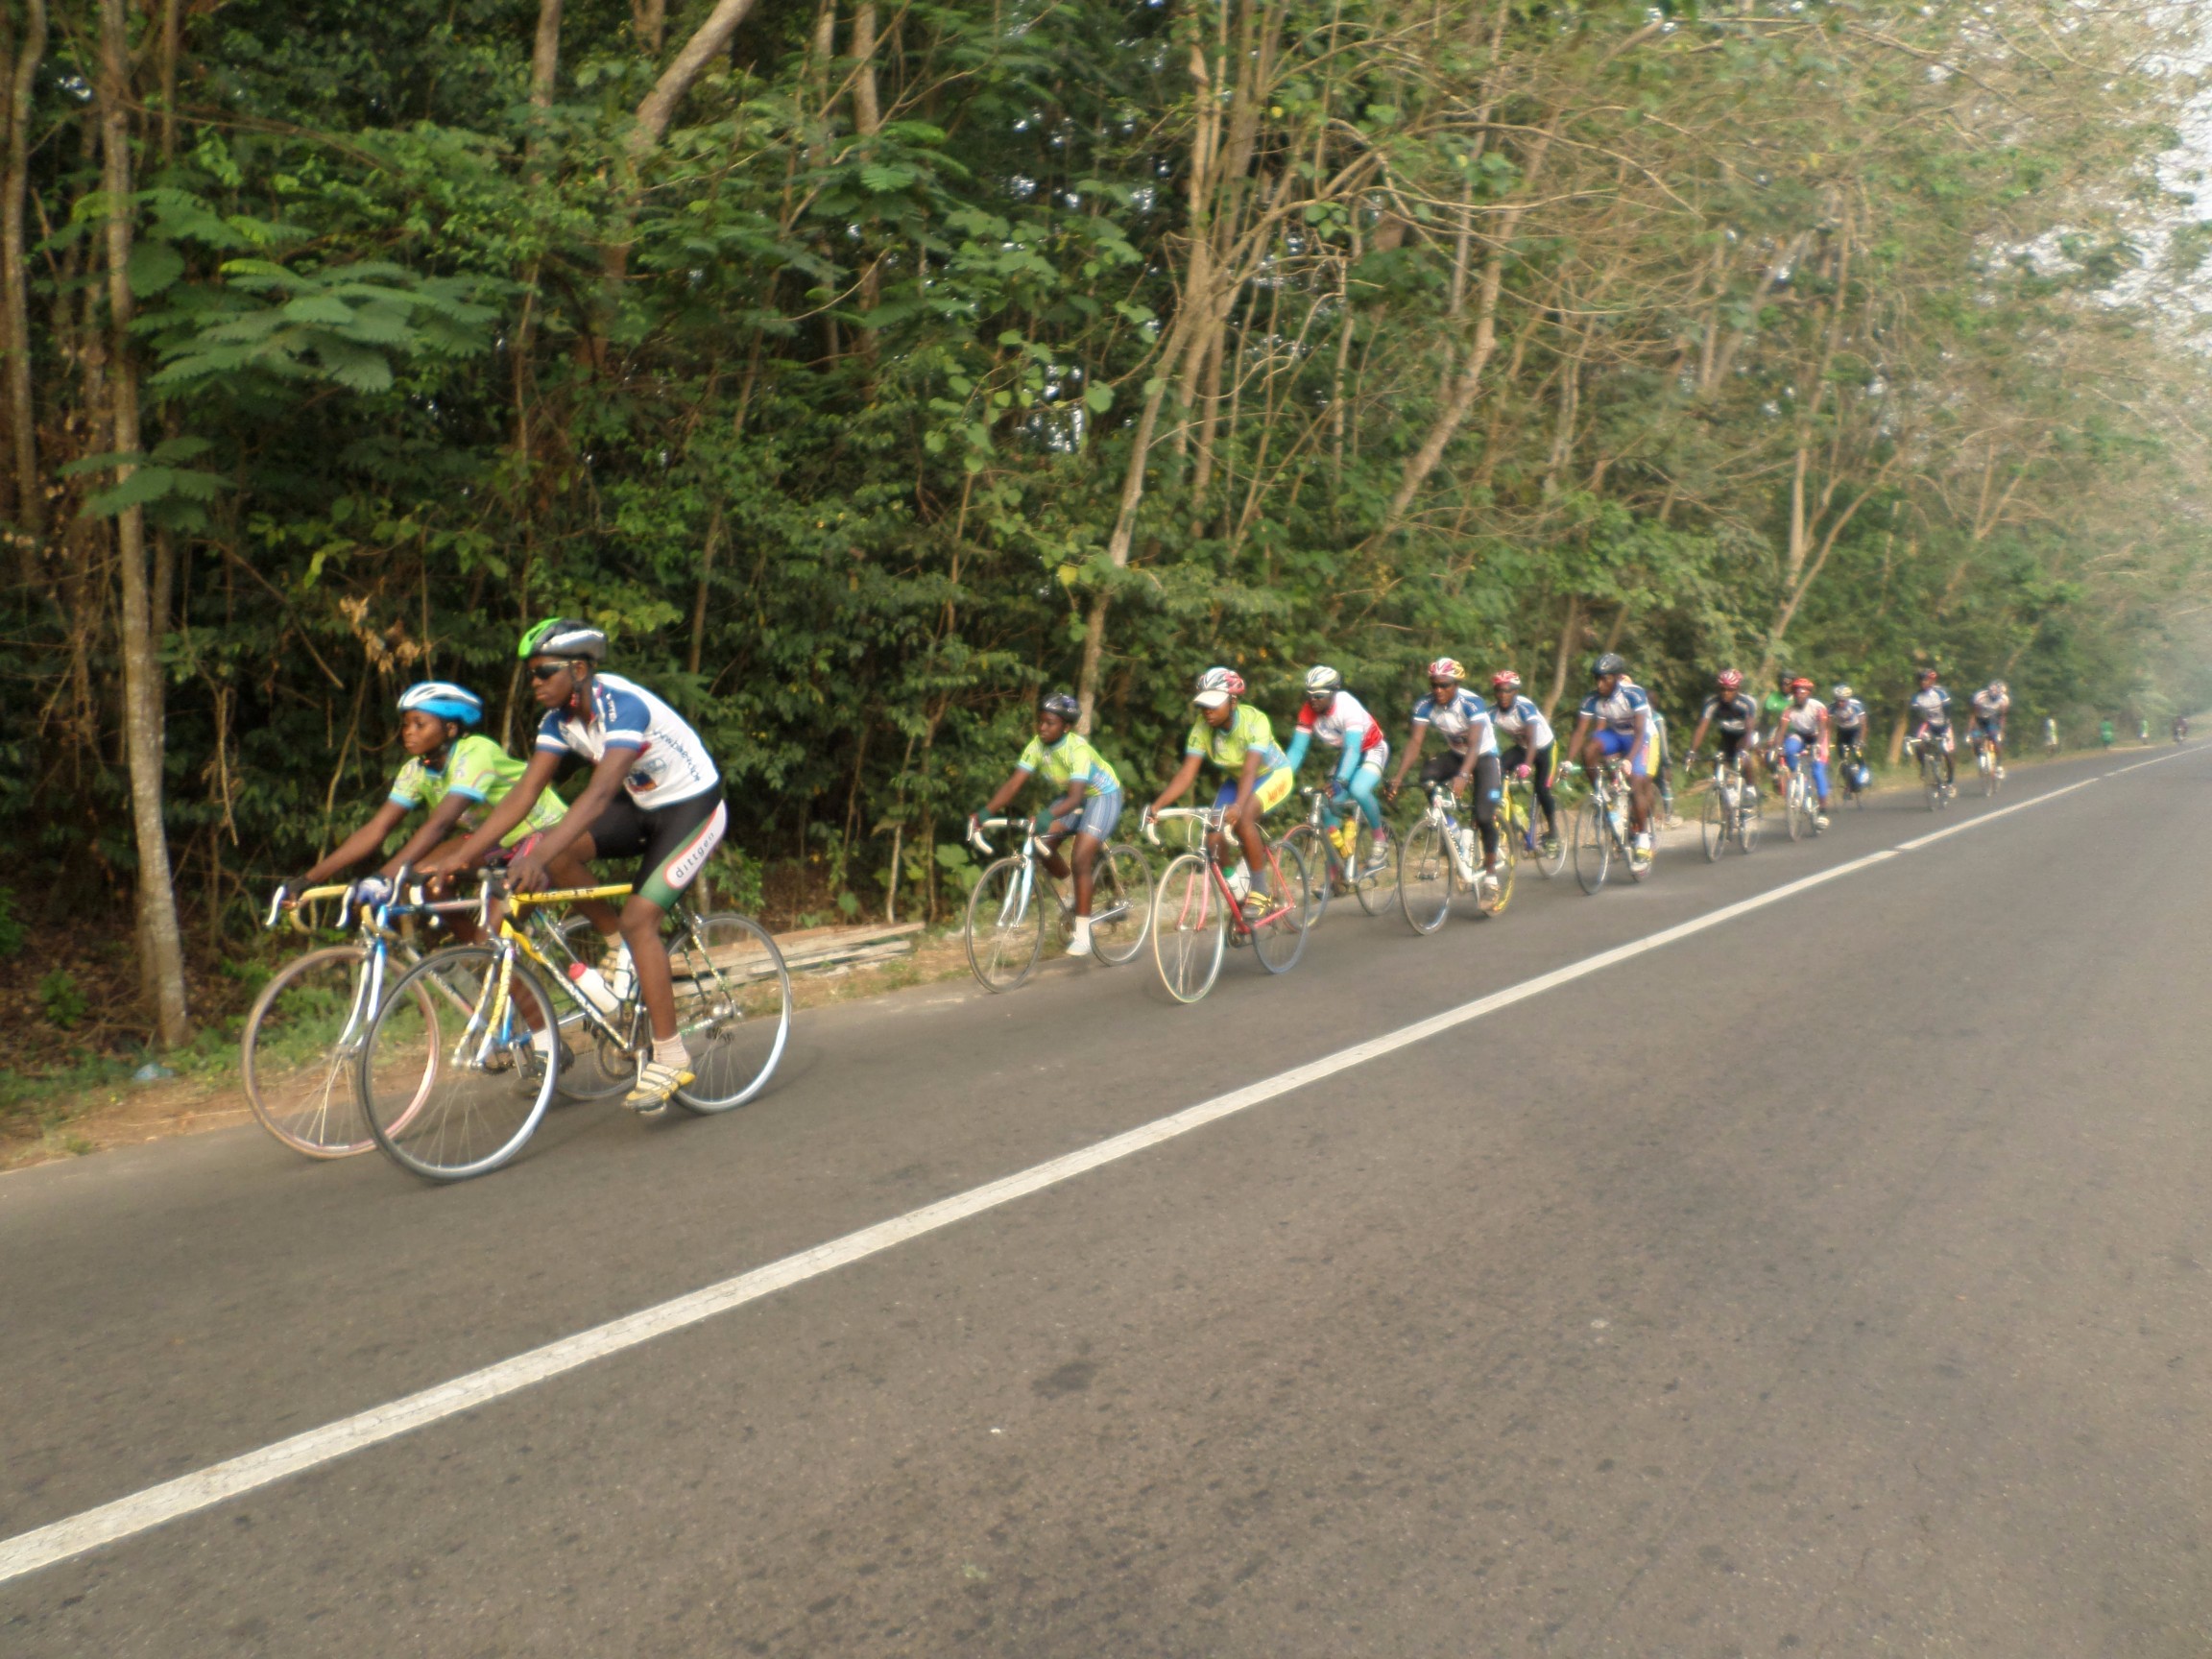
(1926, 675)
(1506, 680)
(1730, 680)
(1800, 684)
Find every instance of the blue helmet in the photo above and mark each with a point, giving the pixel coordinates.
(444, 699)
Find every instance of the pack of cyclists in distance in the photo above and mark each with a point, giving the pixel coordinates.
(654, 795)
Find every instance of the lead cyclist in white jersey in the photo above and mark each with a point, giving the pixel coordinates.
(1470, 761)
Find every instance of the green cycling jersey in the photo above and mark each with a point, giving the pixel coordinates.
(1072, 760)
(480, 772)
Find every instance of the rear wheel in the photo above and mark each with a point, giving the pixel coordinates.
(1280, 940)
(1190, 928)
(1005, 928)
(476, 1082)
(732, 1008)
(1593, 846)
(1315, 856)
(1120, 905)
(1425, 877)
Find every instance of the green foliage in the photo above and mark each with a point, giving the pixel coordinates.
(62, 999)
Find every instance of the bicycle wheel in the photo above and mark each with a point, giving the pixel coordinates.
(1750, 817)
(481, 1083)
(1932, 782)
(1279, 940)
(1593, 846)
(1005, 924)
(1795, 817)
(1713, 824)
(302, 1050)
(1190, 928)
(1425, 873)
(1315, 856)
(1988, 765)
(1120, 905)
(732, 1008)
(1375, 889)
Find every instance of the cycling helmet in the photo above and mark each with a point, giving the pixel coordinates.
(1998, 686)
(1800, 684)
(1505, 680)
(1927, 675)
(1728, 679)
(1216, 685)
(1841, 693)
(1323, 682)
(1612, 662)
(1061, 705)
(1447, 668)
(444, 699)
(564, 637)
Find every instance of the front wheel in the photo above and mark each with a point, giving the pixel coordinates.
(1005, 929)
(1797, 811)
(302, 1049)
(1932, 781)
(1190, 928)
(477, 1081)
(732, 1008)
(1713, 824)
(1593, 845)
(1987, 762)
(1279, 940)
(1425, 877)
(1120, 905)
(1316, 855)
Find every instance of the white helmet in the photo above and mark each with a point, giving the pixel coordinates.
(1323, 682)
(1216, 685)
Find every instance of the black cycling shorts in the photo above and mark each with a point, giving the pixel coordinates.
(670, 843)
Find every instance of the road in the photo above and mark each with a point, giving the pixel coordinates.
(1829, 1280)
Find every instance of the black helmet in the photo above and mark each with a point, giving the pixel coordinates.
(1061, 705)
(1611, 663)
(562, 636)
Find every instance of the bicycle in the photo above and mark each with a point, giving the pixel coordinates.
(1602, 830)
(1800, 800)
(1986, 764)
(1929, 754)
(1195, 910)
(1732, 812)
(1435, 857)
(1849, 759)
(1005, 928)
(1336, 852)
(486, 1080)
(1518, 825)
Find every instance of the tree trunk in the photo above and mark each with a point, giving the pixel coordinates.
(1570, 636)
(546, 55)
(707, 43)
(15, 280)
(162, 958)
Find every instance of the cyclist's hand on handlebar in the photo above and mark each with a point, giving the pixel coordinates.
(1523, 772)
(1390, 793)
(526, 874)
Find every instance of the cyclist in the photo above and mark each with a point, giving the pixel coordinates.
(1532, 751)
(1615, 721)
(2180, 728)
(2050, 735)
(1341, 721)
(1847, 721)
(1770, 710)
(2105, 732)
(1804, 733)
(1734, 720)
(1930, 711)
(1240, 742)
(1991, 703)
(1088, 808)
(1469, 755)
(454, 777)
(654, 795)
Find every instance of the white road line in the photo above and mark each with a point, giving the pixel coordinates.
(142, 1511)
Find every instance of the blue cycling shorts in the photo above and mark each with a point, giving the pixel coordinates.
(1612, 744)
(1096, 816)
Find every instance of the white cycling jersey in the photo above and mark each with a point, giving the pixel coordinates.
(1522, 722)
(672, 764)
(1462, 720)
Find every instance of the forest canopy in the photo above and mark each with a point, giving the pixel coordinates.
(866, 369)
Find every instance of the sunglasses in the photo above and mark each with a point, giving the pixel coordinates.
(1443, 685)
(544, 671)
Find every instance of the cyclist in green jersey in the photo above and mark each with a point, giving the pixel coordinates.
(1088, 808)
(1240, 742)
(454, 777)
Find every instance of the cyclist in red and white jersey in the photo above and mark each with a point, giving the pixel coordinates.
(1341, 721)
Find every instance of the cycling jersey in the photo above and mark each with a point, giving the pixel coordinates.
(1246, 731)
(1989, 706)
(481, 773)
(1070, 760)
(1346, 720)
(1932, 708)
(1733, 715)
(1805, 719)
(671, 763)
(1619, 711)
(1521, 721)
(1849, 717)
(1463, 720)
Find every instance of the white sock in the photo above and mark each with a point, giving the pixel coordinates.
(1082, 927)
(670, 1051)
(542, 1041)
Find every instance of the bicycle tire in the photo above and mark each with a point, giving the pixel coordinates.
(1374, 893)
(1593, 846)
(1794, 818)
(1989, 778)
(732, 1008)
(307, 1101)
(1317, 856)
(1189, 927)
(1280, 940)
(483, 1097)
(1932, 782)
(1713, 824)
(1122, 902)
(1005, 931)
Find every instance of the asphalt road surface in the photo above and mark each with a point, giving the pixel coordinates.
(1831, 1280)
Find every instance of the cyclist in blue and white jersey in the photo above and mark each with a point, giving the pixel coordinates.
(654, 795)
(1847, 729)
(1929, 714)
(1088, 808)
(1732, 714)
(1341, 722)
(1615, 721)
(1470, 757)
(1991, 703)
(1804, 735)
(1530, 750)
